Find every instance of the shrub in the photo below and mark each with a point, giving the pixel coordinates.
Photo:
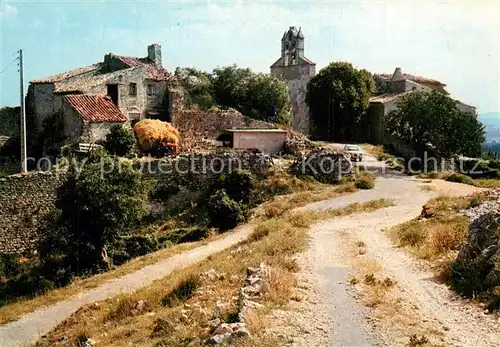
(184, 235)
(164, 191)
(366, 180)
(459, 178)
(224, 212)
(410, 234)
(182, 291)
(138, 245)
(95, 206)
(11, 266)
(119, 141)
(237, 184)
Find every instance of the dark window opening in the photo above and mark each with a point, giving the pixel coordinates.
(226, 139)
(132, 89)
(150, 89)
(113, 93)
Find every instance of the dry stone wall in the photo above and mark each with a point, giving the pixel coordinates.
(26, 199)
(24, 202)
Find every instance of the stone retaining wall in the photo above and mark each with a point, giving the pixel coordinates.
(26, 199)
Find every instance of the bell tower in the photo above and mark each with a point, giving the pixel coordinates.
(296, 70)
(292, 46)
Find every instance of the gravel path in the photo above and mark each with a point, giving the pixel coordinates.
(328, 263)
(30, 327)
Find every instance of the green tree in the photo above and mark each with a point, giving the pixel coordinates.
(258, 96)
(197, 85)
(119, 141)
(424, 118)
(95, 206)
(338, 96)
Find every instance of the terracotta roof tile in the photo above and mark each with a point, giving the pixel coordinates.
(417, 79)
(156, 73)
(95, 108)
(387, 97)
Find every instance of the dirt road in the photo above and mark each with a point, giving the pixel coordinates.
(419, 304)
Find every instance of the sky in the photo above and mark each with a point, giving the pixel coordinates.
(456, 42)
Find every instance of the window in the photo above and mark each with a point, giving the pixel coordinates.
(150, 89)
(132, 89)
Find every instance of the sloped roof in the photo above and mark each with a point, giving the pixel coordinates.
(417, 79)
(83, 82)
(387, 97)
(303, 61)
(68, 74)
(72, 77)
(155, 72)
(95, 108)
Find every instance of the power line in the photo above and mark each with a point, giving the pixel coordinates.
(10, 64)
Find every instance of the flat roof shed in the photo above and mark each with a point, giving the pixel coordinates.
(268, 140)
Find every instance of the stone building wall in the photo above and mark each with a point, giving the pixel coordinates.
(297, 78)
(24, 201)
(40, 103)
(196, 125)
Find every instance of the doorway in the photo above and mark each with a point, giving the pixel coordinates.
(113, 93)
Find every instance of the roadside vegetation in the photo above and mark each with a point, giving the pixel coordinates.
(105, 227)
(439, 232)
(487, 176)
(184, 308)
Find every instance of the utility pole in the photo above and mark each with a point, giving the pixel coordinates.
(24, 161)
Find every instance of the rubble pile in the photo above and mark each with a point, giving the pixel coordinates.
(297, 143)
(227, 333)
(325, 165)
(475, 269)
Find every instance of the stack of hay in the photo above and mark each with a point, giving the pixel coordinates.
(153, 135)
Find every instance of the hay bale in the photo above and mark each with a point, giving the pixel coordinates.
(152, 133)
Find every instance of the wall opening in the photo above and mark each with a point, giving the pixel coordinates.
(113, 93)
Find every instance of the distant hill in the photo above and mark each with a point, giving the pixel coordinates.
(492, 122)
(9, 121)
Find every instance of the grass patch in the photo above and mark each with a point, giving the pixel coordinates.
(275, 242)
(459, 178)
(13, 311)
(183, 290)
(280, 205)
(442, 232)
(365, 180)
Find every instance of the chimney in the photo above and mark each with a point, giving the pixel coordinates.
(154, 54)
(397, 75)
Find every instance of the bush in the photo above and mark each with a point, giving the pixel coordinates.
(184, 235)
(138, 245)
(224, 212)
(10, 265)
(164, 191)
(237, 184)
(182, 291)
(26, 285)
(95, 207)
(366, 180)
(459, 178)
(119, 141)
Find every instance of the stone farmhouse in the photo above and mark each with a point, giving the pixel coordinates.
(394, 86)
(91, 99)
(294, 68)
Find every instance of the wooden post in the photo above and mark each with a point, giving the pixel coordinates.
(24, 168)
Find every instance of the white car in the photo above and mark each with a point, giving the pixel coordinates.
(354, 152)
